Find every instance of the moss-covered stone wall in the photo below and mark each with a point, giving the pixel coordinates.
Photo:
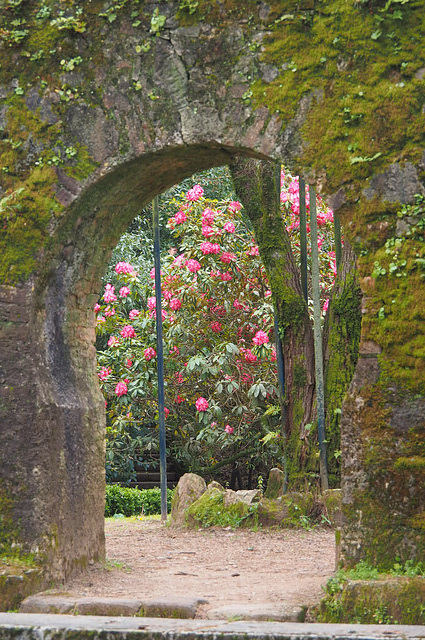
(106, 104)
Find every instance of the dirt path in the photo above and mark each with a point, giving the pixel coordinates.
(146, 559)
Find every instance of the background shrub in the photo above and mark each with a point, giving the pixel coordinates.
(133, 502)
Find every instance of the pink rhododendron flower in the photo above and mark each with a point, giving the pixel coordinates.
(149, 353)
(260, 337)
(124, 267)
(226, 276)
(167, 295)
(128, 331)
(213, 425)
(216, 327)
(195, 193)
(253, 251)
(238, 305)
(267, 293)
(113, 341)
(180, 217)
(249, 356)
(208, 216)
(208, 247)
(129, 363)
(201, 404)
(152, 273)
(104, 373)
(228, 428)
(124, 292)
(109, 295)
(175, 304)
(229, 227)
(164, 314)
(179, 378)
(121, 389)
(234, 206)
(100, 319)
(193, 265)
(325, 305)
(109, 312)
(133, 314)
(175, 351)
(208, 231)
(179, 261)
(166, 411)
(273, 356)
(97, 307)
(227, 257)
(151, 303)
(179, 399)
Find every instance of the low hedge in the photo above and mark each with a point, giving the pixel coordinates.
(133, 502)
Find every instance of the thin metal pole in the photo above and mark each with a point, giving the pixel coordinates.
(318, 355)
(279, 357)
(160, 361)
(303, 238)
(338, 243)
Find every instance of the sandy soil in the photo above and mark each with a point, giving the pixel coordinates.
(147, 559)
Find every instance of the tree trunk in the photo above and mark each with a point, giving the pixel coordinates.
(341, 339)
(256, 188)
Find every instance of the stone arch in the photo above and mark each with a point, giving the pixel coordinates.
(143, 109)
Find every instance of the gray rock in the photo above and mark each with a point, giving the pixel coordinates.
(275, 484)
(97, 606)
(41, 603)
(189, 489)
(275, 611)
(249, 495)
(172, 607)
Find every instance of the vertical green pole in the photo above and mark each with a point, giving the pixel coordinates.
(318, 355)
(160, 361)
(338, 243)
(303, 238)
(279, 358)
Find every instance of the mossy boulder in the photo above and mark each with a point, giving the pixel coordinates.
(214, 508)
(275, 484)
(396, 600)
(17, 581)
(190, 487)
(290, 510)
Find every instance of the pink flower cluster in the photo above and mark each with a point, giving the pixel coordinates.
(228, 429)
(124, 292)
(128, 331)
(133, 314)
(201, 404)
(229, 227)
(227, 257)
(234, 206)
(208, 216)
(113, 341)
(180, 217)
(208, 247)
(208, 231)
(253, 251)
(195, 193)
(97, 307)
(175, 304)
(149, 353)
(260, 337)
(216, 327)
(104, 373)
(152, 303)
(124, 267)
(109, 295)
(248, 355)
(193, 265)
(121, 389)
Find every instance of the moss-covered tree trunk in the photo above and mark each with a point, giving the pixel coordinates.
(256, 188)
(341, 337)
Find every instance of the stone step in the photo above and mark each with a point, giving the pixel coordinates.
(44, 626)
(150, 485)
(155, 476)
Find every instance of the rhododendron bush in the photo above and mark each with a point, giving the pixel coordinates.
(220, 360)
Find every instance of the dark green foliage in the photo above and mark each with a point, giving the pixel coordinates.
(132, 502)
